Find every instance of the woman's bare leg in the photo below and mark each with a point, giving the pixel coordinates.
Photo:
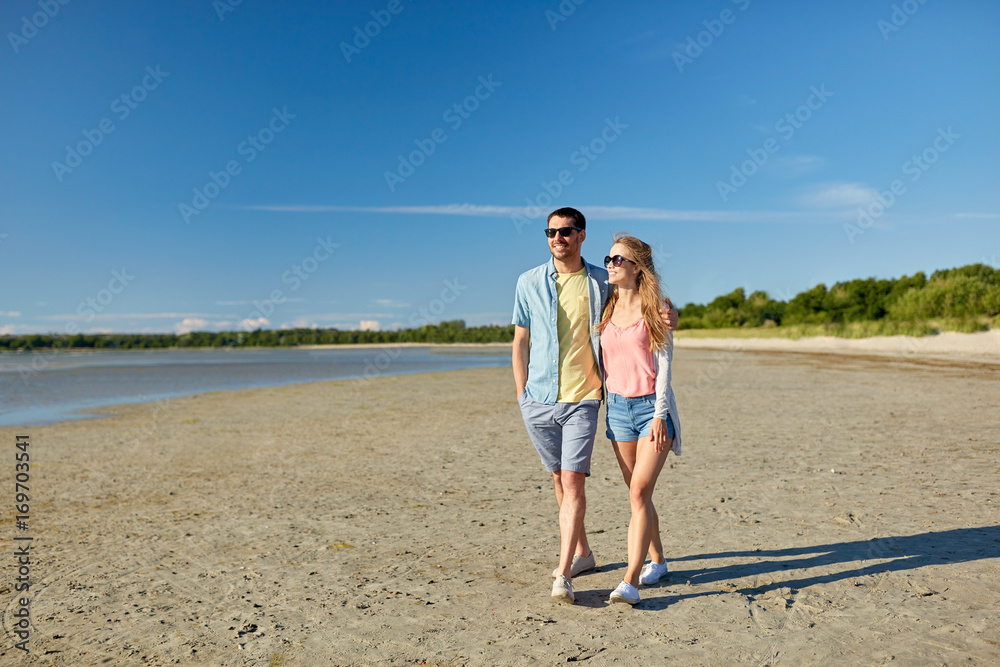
(645, 471)
(625, 452)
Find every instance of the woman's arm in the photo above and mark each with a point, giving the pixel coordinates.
(662, 359)
(661, 410)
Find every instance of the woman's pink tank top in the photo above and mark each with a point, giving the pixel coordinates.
(628, 360)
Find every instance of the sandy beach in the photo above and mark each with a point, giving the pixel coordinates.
(829, 508)
(948, 345)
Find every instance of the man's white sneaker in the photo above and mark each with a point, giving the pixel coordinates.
(562, 590)
(580, 564)
(653, 572)
(625, 593)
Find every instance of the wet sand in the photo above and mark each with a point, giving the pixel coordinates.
(828, 509)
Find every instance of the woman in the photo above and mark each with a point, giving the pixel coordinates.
(642, 414)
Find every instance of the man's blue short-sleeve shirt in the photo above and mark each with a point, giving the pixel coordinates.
(536, 307)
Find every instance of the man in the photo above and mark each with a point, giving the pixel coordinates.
(557, 377)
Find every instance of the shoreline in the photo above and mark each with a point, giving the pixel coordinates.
(898, 349)
(383, 345)
(983, 345)
(947, 349)
(345, 346)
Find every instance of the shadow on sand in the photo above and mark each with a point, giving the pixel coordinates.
(891, 554)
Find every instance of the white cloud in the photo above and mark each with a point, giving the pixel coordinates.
(341, 317)
(595, 212)
(189, 324)
(631, 213)
(840, 195)
(475, 210)
(9, 313)
(110, 325)
(256, 323)
(369, 325)
(341, 321)
(977, 216)
(125, 316)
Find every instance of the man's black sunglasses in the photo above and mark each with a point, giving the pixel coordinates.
(561, 231)
(617, 259)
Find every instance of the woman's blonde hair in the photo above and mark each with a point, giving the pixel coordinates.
(648, 284)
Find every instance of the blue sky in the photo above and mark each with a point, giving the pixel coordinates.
(202, 165)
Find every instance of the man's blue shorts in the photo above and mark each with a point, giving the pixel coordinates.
(563, 434)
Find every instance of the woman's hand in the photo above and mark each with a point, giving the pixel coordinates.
(658, 434)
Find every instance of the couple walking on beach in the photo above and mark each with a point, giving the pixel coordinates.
(581, 330)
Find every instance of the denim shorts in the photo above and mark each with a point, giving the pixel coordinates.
(630, 419)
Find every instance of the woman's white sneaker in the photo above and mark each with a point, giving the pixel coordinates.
(653, 572)
(625, 593)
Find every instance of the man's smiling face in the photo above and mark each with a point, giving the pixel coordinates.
(565, 248)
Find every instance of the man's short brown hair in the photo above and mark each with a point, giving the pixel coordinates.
(572, 214)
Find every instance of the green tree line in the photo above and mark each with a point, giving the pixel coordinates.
(453, 331)
(967, 293)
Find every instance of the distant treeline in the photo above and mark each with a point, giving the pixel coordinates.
(446, 332)
(968, 296)
(969, 293)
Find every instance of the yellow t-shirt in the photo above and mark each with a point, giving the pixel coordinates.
(579, 379)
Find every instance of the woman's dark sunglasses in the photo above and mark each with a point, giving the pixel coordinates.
(617, 260)
(562, 231)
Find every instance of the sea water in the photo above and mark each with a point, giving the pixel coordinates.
(46, 387)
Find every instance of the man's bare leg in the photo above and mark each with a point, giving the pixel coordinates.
(582, 547)
(571, 512)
